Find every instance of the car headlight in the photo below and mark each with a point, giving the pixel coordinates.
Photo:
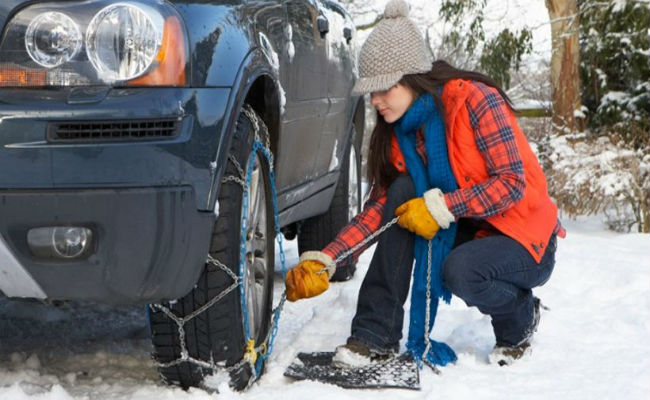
(130, 43)
(122, 41)
(52, 38)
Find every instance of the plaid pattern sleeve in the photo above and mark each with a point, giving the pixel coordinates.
(361, 226)
(494, 136)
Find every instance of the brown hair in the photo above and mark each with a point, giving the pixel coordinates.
(381, 171)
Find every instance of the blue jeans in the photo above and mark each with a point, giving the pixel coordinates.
(495, 274)
(380, 313)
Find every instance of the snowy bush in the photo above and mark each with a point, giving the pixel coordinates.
(615, 69)
(589, 176)
(615, 66)
(606, 169)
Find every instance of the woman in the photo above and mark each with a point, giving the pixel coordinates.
(448, 158)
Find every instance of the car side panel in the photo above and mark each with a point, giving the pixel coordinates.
(342, 72)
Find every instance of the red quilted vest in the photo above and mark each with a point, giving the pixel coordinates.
(531, 220)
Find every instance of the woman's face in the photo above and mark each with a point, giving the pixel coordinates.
(392, 103)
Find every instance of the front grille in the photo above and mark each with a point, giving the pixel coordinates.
(100, 131)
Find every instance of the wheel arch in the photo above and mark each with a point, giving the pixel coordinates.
(264, 96)
(257, 83)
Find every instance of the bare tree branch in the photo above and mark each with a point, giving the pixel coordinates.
(369, 25)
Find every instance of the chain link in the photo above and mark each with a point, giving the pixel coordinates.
(232, 178)
(347, 253)
(180, 322)
(370, 237)
(427, 317)
(234, 161)
(252, 117)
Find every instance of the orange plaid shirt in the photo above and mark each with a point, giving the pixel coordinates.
(496, 142)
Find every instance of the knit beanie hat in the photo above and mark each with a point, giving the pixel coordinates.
(393, 49)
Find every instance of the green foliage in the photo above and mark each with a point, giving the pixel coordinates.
(456, 12)
(615, 68)
(504, 53)
(499, 55)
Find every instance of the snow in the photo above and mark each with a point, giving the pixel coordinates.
(283, 98)
(619, 5)
(592, 176)
(614, 97)
(334, 161)
(531, 104)
(593, 343)
(291, 49)
(581, 113)
(269, 51)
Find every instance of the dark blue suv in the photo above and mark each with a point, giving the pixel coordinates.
(127, 131)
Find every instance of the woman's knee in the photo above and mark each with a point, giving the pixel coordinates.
(459, 273)
(402, 188)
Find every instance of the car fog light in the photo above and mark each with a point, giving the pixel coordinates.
(60, 242)
(69, 241)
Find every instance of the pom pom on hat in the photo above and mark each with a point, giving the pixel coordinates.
(396, 9)
(394, 48)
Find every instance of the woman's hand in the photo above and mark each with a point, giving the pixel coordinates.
(307, 279)
(415, 216)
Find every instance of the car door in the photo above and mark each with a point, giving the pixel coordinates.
(304, 82)
(341, 77)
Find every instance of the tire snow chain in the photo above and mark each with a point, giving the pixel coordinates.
(253, 355)
(180, 322)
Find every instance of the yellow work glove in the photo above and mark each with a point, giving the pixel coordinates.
(415, 216)
(307, 279)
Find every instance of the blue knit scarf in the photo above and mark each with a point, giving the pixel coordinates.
(436, 174)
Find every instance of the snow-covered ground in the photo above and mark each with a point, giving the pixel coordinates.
(593, 343)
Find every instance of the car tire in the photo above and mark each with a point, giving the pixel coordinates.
(317, 232)
(218, 334)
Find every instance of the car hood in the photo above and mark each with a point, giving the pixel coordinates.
(9, 7)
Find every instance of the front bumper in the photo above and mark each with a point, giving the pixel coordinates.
(187, 158)
(150, 243)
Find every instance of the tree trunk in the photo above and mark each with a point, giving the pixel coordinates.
(565, 64)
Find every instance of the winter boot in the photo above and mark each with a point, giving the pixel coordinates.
(505, 354)
(356, 354)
